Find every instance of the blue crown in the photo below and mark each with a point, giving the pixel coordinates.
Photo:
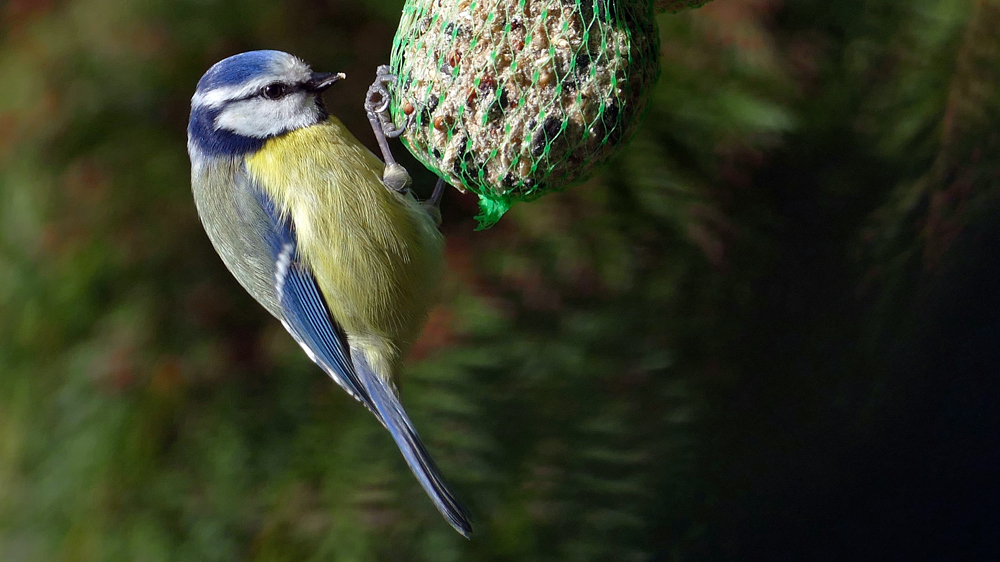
(238, 69)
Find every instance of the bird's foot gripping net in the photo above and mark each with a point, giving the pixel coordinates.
(395, 177)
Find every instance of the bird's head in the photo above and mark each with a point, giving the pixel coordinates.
(248, 98)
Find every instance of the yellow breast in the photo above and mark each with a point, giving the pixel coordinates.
(376, 255)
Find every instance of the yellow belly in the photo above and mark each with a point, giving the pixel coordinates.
(376, 255)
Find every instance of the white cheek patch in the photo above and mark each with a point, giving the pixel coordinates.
(262, 118)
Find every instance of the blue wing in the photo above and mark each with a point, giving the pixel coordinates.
(308, 320)
(394, 418)
(305, 315)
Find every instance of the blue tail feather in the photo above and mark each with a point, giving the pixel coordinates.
(409, 443)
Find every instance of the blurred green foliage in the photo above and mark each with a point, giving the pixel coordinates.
(768, 330)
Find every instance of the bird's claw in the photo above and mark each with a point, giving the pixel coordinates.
(378, 99)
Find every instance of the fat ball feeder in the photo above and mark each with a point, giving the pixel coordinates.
(512, 99)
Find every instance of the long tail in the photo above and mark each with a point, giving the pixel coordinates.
(419, 460)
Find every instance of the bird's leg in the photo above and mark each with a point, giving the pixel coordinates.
(395, 176)
(433, 205)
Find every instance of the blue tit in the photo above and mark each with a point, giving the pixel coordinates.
(302, 216)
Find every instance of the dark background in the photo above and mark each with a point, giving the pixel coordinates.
(767, 331)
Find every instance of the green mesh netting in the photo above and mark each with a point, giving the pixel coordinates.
(515, 98)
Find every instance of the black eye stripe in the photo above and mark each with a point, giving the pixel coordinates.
(289, 89)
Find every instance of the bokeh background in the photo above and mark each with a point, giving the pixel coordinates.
(770, 329)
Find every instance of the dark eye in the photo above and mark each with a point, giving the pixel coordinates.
(274, 91)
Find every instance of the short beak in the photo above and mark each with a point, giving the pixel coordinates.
(320, 81)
